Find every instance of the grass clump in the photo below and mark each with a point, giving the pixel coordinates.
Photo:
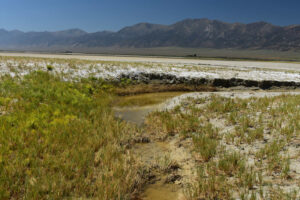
(206, 146)
(166, 123)
(50, 67)
(231, 163)
(59, 140)
(205, 141)
(209, 185)
(271, 152)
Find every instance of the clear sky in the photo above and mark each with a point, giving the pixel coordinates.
(96, 15)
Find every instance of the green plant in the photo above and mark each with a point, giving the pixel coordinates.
(256, 134)
(231, 163)
(210, 186)
(205, 146)
(50, 67)
(60, 140)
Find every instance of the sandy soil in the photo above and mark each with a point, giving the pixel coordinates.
(172, 103)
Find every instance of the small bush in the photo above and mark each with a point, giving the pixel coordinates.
(50, 67)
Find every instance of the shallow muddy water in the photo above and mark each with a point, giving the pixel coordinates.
(161, 191)
(134, 114)
(155, 154)
(135, 108)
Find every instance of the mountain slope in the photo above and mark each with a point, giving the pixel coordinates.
(196, 33)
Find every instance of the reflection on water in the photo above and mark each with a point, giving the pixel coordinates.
(134, 114)
(135, 108)
(145, 99)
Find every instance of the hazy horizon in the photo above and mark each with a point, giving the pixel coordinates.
(73, 28)
(105, 15)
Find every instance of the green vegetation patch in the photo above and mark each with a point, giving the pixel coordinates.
(60, 140)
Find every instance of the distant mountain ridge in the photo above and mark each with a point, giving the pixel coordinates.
(194, 33)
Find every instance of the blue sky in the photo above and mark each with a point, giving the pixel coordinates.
(96, 15)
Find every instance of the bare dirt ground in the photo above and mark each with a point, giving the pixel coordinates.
(172, 161)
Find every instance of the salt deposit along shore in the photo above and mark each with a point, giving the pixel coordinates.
(146, 69)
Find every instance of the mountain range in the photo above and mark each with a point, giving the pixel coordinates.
(192, 33)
